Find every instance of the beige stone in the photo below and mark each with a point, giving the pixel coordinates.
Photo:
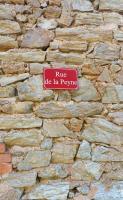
(65, 20)
(13, 1)
(113, 17)
(88, 18)
(84, 151)
(14, 67)
(6, 12)
(111, 5)
(23, 55)
(7, 43)
(9, 27)
(77, 46)
(47, 23)
(8, 91)
(63, 153)
(52, 12)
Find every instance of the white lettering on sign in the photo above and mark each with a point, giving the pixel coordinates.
(61, 75)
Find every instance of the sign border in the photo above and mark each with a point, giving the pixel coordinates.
(77, 87)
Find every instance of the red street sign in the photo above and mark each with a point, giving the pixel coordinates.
(60, 78)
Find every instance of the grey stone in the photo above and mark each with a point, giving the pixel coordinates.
(68, 110)
(32, 90)
(86, 91)
(35, 159)
(116, 117)
(21, 179)
(47, 23)
(24, 138)
(55, 129)
(9, 27)
(19, 121)
(53, 191)
(6, 12)
(36, 38)
(103, 131)
(107, 154)
(47, 144)
(114, 192)
(8, 91)
(53, 172)
(84, 151)
(6, 80)
(118, 35)
(37, 68)
(111, 5)
(113, 17)
(9, 193)
(86, 170)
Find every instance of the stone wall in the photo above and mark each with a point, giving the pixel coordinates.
(61, 145)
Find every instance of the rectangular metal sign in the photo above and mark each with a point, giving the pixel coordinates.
(60, 78)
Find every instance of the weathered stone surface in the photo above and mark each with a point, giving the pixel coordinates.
(114, 192)
(94, 34)
(84, 151)
(75, 46)
(7, 43)
(20, 180)
(55, 2)
(8, 91)
(14, 67)
(116, 117)
(118, 35)
(81, 5)
(63, 153)
(115, 175)
(55, 129)
(37, 68)
(65, 20)
(9, 27)
(16, 108)
(56, 56)
(9, 193)
(12, 79)
(47, 23)
(86, 170)
(53, 172)
(32, 90)
(52, 12)
(68, 110)
(23, 55)
(112, 17)
(6, 12)
(111, 5)
(35, 159)
(88, 18)
(105, 76)
(106, 51)
(19, 121)
(103, 131)
(13, 1)
(24, 138)
(86, 91)
(106, 154)
(36, 38)
(51, 191)
(75, 124)
(113, 94)
(47, 144)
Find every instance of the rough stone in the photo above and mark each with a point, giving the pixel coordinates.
(19, 121)
(116, 117)
(53, 172)
(68, 110)
(113, 17)
(86, 170)
(37, 68)
(76, 46)
(114, 192)
(8, 91)
(94, 34)
(9, 27)
(56, 56)
(13, 1)
(84, 151)
(52, 12)
(47, 23)
(111, 5)
(106, 154)
(51, 191)
(88, 18)
(47, 144)
(6, 12)
(12, 79)
(65, 20)
(86, 91)
(21, 179)
(35, 159)
(63, 153)
(23, 55)
(36, 38)
(24, 138)
(9, 193)
(7, 43)
(55, 129)
(14, 67)
(32, 90)
(118, 35)
(103, 131)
